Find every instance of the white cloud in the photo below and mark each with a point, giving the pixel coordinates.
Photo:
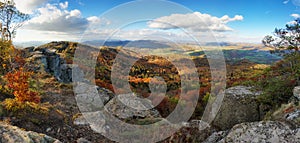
(64, 5)
(28, 6)
(194, 21)
(295, 15)
(57, 19)
(286, 1)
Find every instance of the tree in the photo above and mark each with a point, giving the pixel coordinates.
(11, 18)
(285, 40)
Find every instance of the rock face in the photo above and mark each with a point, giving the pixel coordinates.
(12, 134)
(49, 58)
(265, 131)
(239, 105)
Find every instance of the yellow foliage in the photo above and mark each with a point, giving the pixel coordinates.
(14, 106)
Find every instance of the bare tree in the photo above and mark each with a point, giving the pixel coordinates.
(11, 19)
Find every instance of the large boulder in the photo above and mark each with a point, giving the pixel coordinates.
(260, 132)
(13, 134)
(126, 106)
(239, 105)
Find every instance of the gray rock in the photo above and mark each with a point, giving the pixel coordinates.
(13, 134)
(129, 106)
(239, 105)
(82, 140)
(296, 92)
(91, 98)
(216, 136)
(262, 132)
(293, 115)
(80, 121)
(51, 61)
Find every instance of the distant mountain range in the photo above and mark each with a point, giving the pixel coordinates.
(138, 43)
(152, 44)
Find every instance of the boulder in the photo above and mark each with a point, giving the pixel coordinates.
(91, 98)
(264, 131)
(126, 106)
(13, 134)
(239, 105)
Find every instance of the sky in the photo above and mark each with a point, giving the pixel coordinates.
(242, 21)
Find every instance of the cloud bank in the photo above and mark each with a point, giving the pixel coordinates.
(194, 21)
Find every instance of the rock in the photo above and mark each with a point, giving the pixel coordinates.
(239, 105)
(216, 136)
(82, 140)
(48, 129)
(91, 98)
(66, 73)
(295, 115)
(289, 113)
(38, 62)
(264, 131)
(51, 57)
(134, 107)
(296, 92)
(80, 120)
(11, 134)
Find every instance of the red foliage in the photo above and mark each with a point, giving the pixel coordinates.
(18, 82)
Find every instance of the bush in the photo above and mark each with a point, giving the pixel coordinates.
(7, 52)
(14, 106)
(18, 82)
(278, 81)
(276, 90)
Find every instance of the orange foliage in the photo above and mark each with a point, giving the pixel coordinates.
(104, 84)
(18, 82)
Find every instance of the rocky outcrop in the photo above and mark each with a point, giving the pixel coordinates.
(239, 105)
(264, 131)
(12, 134)
(51, 58)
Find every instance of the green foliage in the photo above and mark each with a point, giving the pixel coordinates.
(278, 81)
(206, 97)
(276, 90)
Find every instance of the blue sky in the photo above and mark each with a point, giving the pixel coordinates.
(232, 21)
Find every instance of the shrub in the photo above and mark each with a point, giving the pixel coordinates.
(15, 106)
(6, 57)
(276, 90)
(18, 82)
